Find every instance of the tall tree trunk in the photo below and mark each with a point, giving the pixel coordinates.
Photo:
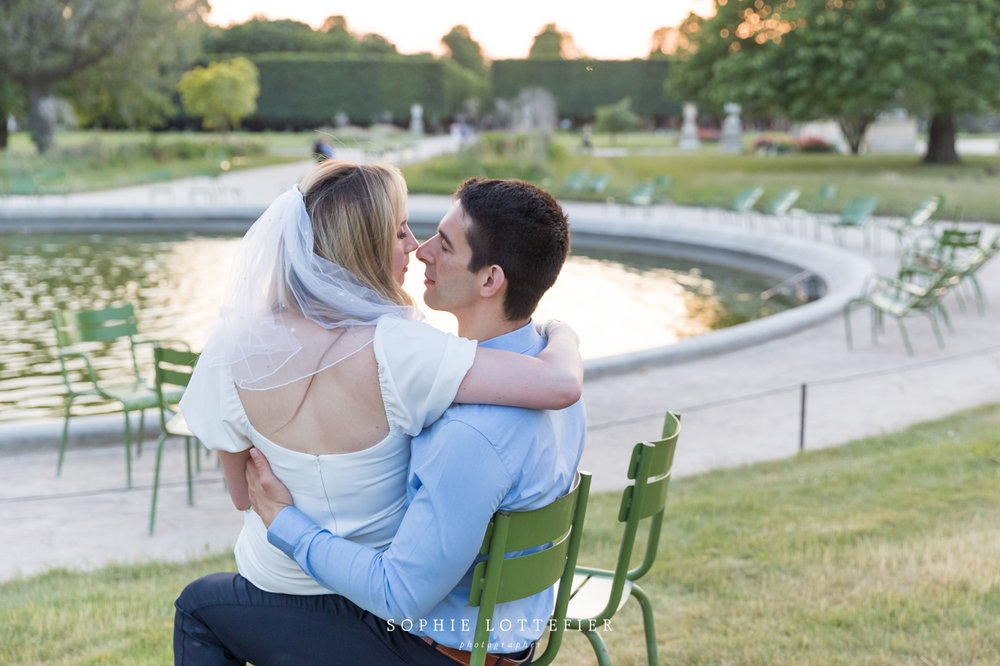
(854, 129)
(4, 114)
(941, 140)
(41, 115)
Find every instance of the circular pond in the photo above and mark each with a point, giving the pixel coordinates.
(618, 302)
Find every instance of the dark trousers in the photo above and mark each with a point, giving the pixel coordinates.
(223, 620)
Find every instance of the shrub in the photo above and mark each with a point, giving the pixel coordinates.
(814, 144)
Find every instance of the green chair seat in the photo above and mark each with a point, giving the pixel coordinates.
(590, 595)
(597, 594)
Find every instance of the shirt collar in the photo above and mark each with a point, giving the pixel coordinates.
(524, 340)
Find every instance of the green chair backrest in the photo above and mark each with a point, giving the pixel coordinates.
(827, 192)
(599, 182)
(783, 203)
(577, 180)
(924, 212)
(650, 469)
(641, 194)
(105, 326)
(858, 210)
(528, 552)
(662, 183)
(173, 367)
(747, 198)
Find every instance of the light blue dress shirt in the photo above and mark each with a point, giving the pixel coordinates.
(475, 460)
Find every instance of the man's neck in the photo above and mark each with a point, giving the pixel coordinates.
(487, 328)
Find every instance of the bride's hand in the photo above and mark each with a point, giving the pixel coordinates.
(554, 327)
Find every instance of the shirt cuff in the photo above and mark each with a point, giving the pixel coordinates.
(288, 528)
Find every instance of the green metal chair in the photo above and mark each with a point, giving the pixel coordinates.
(598, 184)
(661, 187)
(917, 220)
(643, 195)
(900, 297)
(742, 204)
(780, 207)
(598, 593)
(76, 332)
(528, 552)
(857, 214)
(576, 182)
(172, 372)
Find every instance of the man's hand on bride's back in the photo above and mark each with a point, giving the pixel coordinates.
(268, 495)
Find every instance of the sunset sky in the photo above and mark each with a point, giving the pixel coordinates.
(615, 30)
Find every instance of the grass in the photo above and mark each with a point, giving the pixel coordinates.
(883, 551)
(94, 160)
(710, 176)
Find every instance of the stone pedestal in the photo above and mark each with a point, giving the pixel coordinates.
(417, 120)
(689, 129)
(732, 129)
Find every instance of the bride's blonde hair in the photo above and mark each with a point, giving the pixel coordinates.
(355, 211)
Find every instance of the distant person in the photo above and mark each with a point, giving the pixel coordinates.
(322, 150)
(587, 141)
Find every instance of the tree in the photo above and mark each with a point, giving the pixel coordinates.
(954, 59)
(6, 108)
(45, 42)
(261, 35)
(848, 59)
(797, 59)
(615, 118)
(136, 88)
(552, 43)
(222, 93)
(666, 41)
(464, 50)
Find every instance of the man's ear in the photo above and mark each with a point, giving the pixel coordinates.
(493, 281)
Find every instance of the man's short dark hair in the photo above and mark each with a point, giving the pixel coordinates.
(520, 228)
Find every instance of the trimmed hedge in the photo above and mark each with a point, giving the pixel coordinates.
(580, 86)
(305, 90)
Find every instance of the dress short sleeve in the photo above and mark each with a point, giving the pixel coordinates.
(213, 411)
(419, 369)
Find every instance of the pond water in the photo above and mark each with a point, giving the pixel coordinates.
(617, 302)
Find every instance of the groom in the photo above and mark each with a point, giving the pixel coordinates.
(496, 252)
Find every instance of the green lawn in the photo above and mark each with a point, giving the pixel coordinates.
(883, 551)
(95, 160)
(710, 176)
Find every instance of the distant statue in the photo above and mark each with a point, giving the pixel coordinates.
(416, 120)
(689, 129)
(732, 129)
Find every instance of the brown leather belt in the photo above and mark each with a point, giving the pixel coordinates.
(463, 656)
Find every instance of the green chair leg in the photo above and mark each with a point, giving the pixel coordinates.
(600, 649)
(906, 338)
(65, 436)
(649, 624)
(187, 465)
(142, 433)
(128, 451)
(156, 481)
(937, 329)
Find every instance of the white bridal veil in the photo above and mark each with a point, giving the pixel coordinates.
(287, 310)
